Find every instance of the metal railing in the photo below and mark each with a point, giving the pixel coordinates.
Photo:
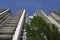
(4, 11)
(5, 15)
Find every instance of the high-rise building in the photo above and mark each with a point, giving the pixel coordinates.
(40, 13)
(55, 15)
(11, 28)
(4, 16)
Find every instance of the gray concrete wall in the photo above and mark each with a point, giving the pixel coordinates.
(5, 15)
(55, 17)
(41, 14)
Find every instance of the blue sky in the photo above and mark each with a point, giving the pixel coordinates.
(31, 5)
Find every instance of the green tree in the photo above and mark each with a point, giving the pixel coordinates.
(38, 29)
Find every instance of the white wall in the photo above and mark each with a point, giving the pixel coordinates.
(56, 17)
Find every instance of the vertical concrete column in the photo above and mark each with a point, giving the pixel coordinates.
(19, 26)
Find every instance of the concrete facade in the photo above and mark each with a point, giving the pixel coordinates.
(40, 13)
(17, 21)
(12, 26)
(55, 15)
(5, 14)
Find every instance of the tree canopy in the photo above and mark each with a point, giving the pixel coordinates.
(39, 29)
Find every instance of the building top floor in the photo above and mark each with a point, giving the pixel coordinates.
(55, 15)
